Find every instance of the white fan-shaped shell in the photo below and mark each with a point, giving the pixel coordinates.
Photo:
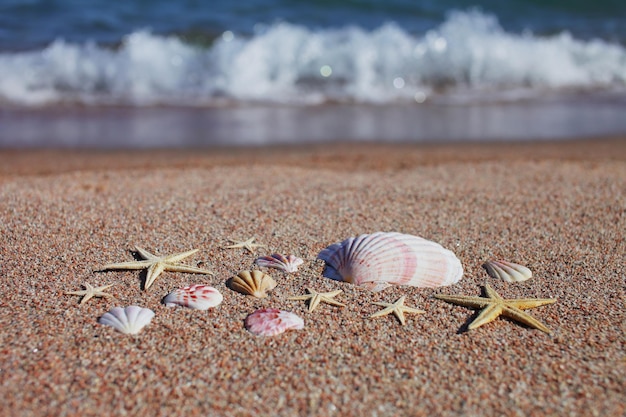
(382, 259)
(129, 320)
(271, 321)
(508, 271)
(289, 263)
(199, 297)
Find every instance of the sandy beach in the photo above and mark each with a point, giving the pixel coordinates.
(558, 208)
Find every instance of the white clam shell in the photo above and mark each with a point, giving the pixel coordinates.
(271, 321)
(129, 320)
(199, 297)
(508, 271)
(289, 263)
(378, 260)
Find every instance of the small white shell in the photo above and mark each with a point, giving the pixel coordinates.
(271, 321)
(199, 297)
(508, 271)
(380, 259)
(287, 263)
(255, 283)
(129, 320)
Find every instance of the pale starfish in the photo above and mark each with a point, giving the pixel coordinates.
(493, 306)
(156, 265)
(315, 298)
(89, 292)
(398, 309)
(246, 244)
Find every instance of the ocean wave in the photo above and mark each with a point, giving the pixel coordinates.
(468, 57)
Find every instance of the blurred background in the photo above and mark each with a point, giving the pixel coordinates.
(135, 73)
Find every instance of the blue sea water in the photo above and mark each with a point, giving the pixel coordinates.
(282, 57)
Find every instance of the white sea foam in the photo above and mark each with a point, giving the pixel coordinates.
(467, 57)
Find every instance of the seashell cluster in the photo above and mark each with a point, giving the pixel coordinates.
(271, 321)
(376, 261)
(254, 283)
(129, 320)
(289, 263)
(508, 271)
(199, 297)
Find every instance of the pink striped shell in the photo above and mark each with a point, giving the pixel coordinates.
(378, 260)
(289, 263)
(199, 297)
(271, 321)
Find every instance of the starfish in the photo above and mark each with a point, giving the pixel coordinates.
(89, 292)
(398, 309)
(156, 265)
(493, 306)
(315, 298)
(246, 244)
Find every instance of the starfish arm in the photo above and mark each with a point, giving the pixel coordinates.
(522, 317)
(491, 293)
(528, 303)
(86, 298)
(476, 302)
(179, 256)
(399, 313)
(104, 287)
(103, 294)
(489, 314)
(332, 302)
(83, 292)
(127, 265)
(300, 297)
(145, 254)
(153, 272)
(412, 310)
(382, 312)
(187, 269)
(314, 302)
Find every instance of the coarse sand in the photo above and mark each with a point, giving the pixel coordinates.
(558, 208)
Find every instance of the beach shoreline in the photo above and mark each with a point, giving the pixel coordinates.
(557, 207)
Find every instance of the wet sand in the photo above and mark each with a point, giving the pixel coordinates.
(558, 208)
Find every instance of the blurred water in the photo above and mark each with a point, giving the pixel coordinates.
(439, 70)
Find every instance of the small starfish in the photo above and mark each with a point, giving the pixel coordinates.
(246, 244)
(89, 292)
(315, 298)
(156, 265)
(493, 306)
(398, 309)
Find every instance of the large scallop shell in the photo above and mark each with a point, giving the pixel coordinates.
(255, 283)
(199, 297)
(271, 321)
(287, 263)
(380, 259)
(508, 271)
(129, 320)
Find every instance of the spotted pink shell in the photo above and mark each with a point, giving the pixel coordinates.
(271, 321)
(199, 297)
(381, 259)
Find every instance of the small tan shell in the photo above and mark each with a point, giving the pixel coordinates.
(255, 283)
(508, 271)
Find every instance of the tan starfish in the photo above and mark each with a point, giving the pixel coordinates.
(89, 292)
(315, 298)
(246, 244)
(493, 306)
(156, 265)
(398, 309)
